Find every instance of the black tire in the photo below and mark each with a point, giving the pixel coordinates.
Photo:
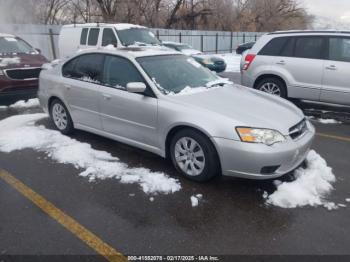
(276, 81)
(69, 128)
(212, 162)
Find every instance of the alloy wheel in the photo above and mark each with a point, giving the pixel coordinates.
(59, 115)
(189, 156)
(271, 88)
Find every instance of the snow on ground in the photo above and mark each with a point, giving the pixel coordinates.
(310, 188)
(324, 120)
(195, 200)
(21, 104)
(233, 62)
(327, 121)
(63, 149)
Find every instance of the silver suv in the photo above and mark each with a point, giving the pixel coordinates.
(309, 65)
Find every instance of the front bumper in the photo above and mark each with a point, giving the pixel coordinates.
(247, 160)
(13, 90)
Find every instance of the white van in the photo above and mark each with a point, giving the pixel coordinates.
(84, 36)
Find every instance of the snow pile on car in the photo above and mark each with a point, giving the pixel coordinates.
(63, 149)
(8, 61)
(311, 186)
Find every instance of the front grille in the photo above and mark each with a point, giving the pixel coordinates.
(298, 130)
(23, 73)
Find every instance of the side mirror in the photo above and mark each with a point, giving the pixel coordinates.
(38, 50)
(136, 87)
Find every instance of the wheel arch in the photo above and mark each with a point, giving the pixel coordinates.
(263, 76)
(171, 133)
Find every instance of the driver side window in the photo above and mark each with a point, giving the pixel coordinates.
(118, 72)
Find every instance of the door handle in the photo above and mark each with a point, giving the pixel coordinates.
(282, 62)
(107, 97)
(331, 67)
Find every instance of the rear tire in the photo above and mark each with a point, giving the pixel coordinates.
(273, 86)
(194, 155)
(60, 117)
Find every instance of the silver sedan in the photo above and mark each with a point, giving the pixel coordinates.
(168, 104)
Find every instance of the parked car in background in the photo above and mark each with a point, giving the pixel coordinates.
(244, 47)
(309, 65)
(163, 102)
(212, 62)
(93, 35)
(20, 66)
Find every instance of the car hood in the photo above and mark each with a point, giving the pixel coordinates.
(10, 61)
(246, 107)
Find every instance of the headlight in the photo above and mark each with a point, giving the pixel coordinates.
(207, 62)
(258, 135)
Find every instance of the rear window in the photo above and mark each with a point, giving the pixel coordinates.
(274, 47)
(309, 47)
(83, 36)
(85, 67)
(93, 36)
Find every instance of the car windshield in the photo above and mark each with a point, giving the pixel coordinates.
(174, 73)
(137, 36)
(14, 45)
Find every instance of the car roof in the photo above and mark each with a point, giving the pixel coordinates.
(6, 35)
(310, 32)
(133, 52)
(119, 26)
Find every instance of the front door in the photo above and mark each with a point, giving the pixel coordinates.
(130, 116)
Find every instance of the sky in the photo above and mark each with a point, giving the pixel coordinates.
(336, 9)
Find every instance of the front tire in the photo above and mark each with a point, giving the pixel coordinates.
(273, 86)
(194, 155)
(60, 117)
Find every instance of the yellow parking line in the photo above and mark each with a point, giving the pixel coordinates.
(69, 223)
(341, 138)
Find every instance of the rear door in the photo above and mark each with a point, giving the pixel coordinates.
(336, 79)
(301, 60)
(130, 116)
(81, 83)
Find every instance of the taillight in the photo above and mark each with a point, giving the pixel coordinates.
(248, 61)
